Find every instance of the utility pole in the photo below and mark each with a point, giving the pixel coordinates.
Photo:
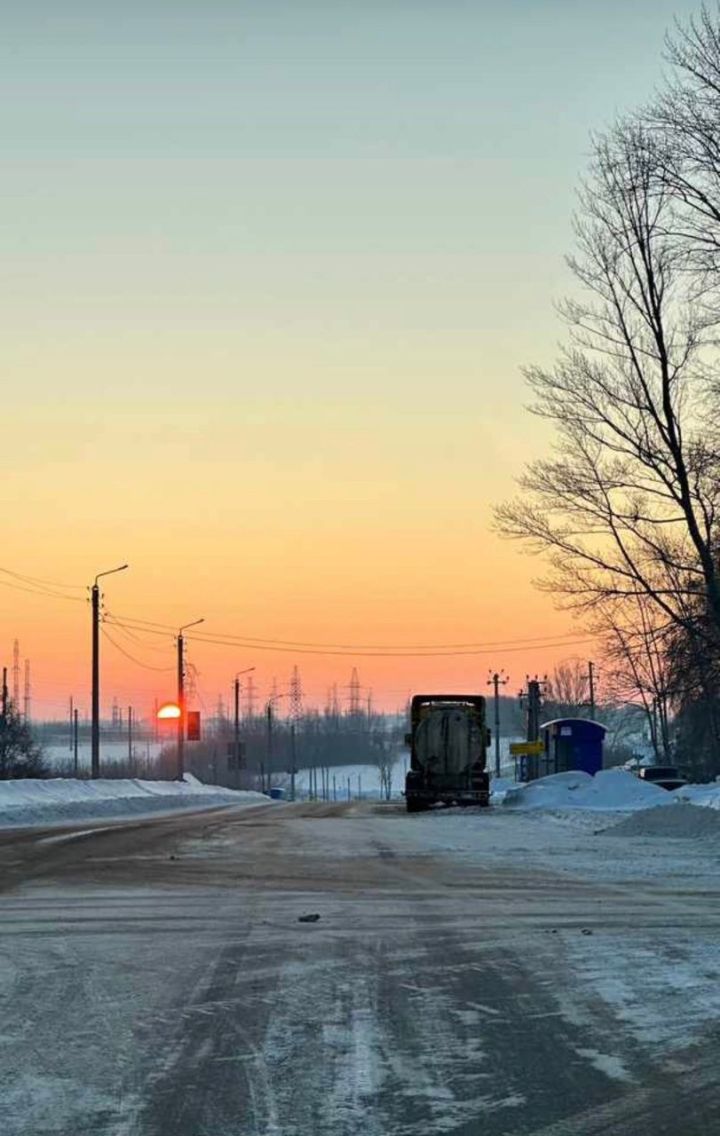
(293, 759)
(236, 737)
(269, 712)
(533, 694)
(3, 720)
(533, 709)
(95, 731)
(274, 697)
(181, 698)
(295, 693)
(591, 684)
(16, 676)
(71, 723)
(75, 742)
(26, 695)
(497, 681)
(130, 749)
(236, 733)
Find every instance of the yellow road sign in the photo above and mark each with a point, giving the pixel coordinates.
(529, 749)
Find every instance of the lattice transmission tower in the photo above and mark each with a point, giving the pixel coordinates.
(16, 676)
(27, 692)
(250, 697)
(354, 689)
(295, 691)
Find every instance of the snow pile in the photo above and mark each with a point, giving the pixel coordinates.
(707, 795)
(610, 789)
(499, 787)
(683, 822)
(59, 799)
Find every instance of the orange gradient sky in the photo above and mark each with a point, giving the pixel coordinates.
(270, 275)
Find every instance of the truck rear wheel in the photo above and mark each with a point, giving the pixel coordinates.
(414, 805)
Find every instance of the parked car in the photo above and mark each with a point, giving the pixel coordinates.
(664, 776)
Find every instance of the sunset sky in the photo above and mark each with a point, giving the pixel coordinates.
(271, 271)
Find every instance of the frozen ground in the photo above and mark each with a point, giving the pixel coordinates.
(61, 800)
(506, 972)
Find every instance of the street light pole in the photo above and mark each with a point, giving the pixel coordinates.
(237, 716)
(269, 747)
(75, 742)
(293, 758)
(181, 697)
(269, 714)
(95, 728)
(131, 771)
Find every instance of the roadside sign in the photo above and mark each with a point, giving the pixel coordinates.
(527, 749)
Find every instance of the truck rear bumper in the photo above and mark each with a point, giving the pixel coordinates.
(459, 797)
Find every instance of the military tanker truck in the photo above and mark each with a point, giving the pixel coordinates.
(448, 743)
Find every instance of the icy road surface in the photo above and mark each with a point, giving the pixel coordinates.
(472, 973)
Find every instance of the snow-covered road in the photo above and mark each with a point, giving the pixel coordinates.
(497, 973)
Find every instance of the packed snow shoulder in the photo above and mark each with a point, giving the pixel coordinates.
(60, 800)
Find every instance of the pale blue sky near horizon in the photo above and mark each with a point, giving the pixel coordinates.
(381, 191)
(379, 143)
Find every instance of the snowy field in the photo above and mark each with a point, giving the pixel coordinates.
(348, 782)
(111, 752)
(62, 800)
(364, 779)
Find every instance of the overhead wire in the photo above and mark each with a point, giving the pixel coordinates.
(138, 662)
(348, 651)
(37, 580)
(130, 634)
(133, 624)
(491, 643)
(229, 642)
(38, 591)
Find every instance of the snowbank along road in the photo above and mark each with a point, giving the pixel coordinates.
(501, 973)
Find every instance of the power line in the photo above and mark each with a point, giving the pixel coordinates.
(37, 591)
(500, 643)
(447, 650)
(138, 662)
(147, 623)
(37, 580)
(217, 641)
(229, 640)
(108, 617)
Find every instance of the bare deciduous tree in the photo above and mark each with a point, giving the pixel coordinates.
(567, 691)
(627, 509)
